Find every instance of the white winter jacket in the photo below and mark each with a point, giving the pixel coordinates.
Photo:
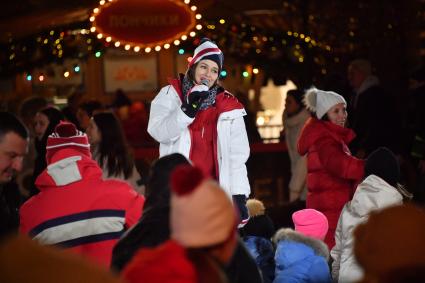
(169, 125)
(372, 194)
(293, 126)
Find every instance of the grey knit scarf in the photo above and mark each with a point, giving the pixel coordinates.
(187, 84)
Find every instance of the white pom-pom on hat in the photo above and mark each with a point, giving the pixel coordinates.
(320, 101)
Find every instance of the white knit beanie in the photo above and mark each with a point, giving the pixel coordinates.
(320, 101)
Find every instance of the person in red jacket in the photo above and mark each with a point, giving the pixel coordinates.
(76, 208)
(332, 172)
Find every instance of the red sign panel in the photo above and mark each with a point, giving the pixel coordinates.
(147, 22)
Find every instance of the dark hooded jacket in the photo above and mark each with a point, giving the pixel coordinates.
(153, 228)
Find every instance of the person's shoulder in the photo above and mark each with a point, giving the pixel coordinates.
(116, 186)
(226, 101)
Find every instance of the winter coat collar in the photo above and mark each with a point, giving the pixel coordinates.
(67, 166)
(315, 129)
(369, 82)
(371, 194)
(225, 101)
(287, 234)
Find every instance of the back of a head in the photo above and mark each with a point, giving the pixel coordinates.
(66, 136)
(362, 66)
(121, 99)
(390, 246)
(259, 224)
(384, 164)
(109, 127)
(202, 215)
(311, 223)
(10, 123)
(55, 116)
(90, 107)
(158, 187)
(30, 106)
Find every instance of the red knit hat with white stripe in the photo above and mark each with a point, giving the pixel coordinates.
(202, 214)
(207, 50)
(64, 136)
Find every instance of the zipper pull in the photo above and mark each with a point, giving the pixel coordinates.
(202, 135)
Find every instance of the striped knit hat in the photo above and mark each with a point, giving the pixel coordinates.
(64, 136)
(320, 101)
(202, 214)
(207, 50)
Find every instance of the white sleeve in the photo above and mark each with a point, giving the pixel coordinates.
(299, 175)
(239, 154)
(337, 249)
(166, 120)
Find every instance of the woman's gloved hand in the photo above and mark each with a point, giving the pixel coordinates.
(194, 99)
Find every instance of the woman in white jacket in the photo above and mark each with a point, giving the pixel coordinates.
(377, 191)
(294, 118)
(196, 117)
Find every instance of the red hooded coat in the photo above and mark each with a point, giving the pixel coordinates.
(76, 209)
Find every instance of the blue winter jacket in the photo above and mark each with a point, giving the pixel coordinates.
(300, 259)
(261, 249)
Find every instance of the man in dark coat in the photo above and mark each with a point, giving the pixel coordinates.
(371, 111)
(13, 147)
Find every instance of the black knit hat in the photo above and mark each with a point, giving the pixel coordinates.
(384, 164)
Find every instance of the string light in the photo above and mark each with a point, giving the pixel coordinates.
(137, 47)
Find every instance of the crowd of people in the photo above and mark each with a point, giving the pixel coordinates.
(85, 215)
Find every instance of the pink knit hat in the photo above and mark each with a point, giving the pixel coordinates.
(311, 223)
(201, 213)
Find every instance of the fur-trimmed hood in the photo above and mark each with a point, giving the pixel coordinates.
(287, 234)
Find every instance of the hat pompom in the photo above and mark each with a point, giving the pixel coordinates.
(66, 129)
(255, 207)
(310, 99)
(205, 39)
(185, 178)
